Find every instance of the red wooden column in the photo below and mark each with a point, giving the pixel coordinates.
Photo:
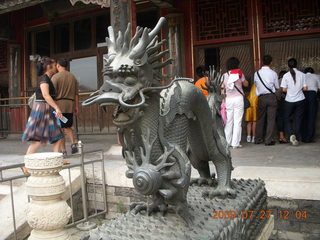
(256, 34)
(133, 17)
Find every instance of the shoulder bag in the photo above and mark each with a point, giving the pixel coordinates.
(246, 102)
(277, 93)
(31, 100)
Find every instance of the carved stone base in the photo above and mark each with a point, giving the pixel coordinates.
(59, 234)
(214, 218)
(47, 213)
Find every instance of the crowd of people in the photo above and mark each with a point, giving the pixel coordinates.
(56, 98)
(286, 102)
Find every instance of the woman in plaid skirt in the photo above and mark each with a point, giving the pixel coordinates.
(42, 126)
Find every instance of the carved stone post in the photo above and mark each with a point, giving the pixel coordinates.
(47, 213)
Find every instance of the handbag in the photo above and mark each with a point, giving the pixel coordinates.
(223, 113)
(277, 93)
(246, 102)
(31, 100)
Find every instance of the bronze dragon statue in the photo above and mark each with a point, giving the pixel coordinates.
(163, 129)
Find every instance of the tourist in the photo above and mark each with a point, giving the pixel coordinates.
(201, 82)
(280, 113)
(233, 80)
(251, 115)
(42, 126)
(267, 83)
(293, 83)
(311, 108)
(67, 89)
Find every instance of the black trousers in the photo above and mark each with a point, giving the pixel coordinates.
(293, 118)
(280, 116)
(267, 109)
(310, 115)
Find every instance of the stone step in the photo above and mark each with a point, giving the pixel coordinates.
(281, 182)
(291, 183)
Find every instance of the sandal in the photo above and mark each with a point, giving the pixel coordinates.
(24, 170)
(283, 140)
(74, 148)
(64, 154)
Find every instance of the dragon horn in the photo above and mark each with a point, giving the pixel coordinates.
(157, 28)
(146, 38)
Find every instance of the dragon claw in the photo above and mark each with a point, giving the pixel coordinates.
(140, 207)
(202, 181)
(183, 212)
(221, 192)
(137, 207)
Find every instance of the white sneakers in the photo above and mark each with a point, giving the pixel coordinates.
(294, 140)
(239, 146)
(250, 139)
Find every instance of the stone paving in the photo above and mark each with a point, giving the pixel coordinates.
(281, 162)
(280, 155)
(296, 169)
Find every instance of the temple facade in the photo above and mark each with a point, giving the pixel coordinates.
(199, 32)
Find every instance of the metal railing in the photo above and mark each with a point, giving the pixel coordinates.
(84, 223)
(11, 179)
(12, 116)
(91, 120)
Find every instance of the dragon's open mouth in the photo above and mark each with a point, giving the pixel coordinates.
(121, 115)
(123, 112)
(117, 94)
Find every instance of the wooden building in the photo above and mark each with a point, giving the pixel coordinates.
(200, 32)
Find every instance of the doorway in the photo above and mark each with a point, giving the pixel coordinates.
(217, 55)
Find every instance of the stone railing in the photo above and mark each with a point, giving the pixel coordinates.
(47, 213)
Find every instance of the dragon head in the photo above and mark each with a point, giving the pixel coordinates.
(213, 86)
(131, 68)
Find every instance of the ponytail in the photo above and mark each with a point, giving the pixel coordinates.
(39, 68)
(293, 74)
(292, 63)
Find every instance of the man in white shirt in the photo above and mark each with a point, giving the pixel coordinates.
(266, 81)
(311, 107)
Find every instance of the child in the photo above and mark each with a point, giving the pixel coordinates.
(251, 115)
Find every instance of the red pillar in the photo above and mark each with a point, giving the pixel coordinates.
(133, 19)
(256, 26)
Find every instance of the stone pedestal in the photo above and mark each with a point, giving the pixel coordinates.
(245, 217)
(47, 213)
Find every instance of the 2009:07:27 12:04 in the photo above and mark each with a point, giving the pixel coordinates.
(262, 214)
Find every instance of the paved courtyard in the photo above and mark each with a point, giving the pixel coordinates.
(280, 155)
(289, 172)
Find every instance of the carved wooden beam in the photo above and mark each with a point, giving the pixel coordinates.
(159, 3)
(163, 3)
(102, 3)
(14, 5)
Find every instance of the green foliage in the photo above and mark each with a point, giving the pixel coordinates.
(121, 208)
